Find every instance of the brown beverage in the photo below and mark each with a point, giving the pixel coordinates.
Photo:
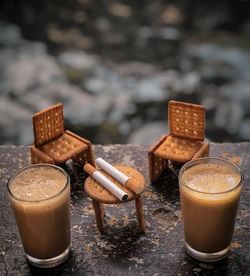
(210, 191)
(40, 198)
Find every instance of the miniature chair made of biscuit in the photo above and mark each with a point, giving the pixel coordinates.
(54, 145)
(185, 140)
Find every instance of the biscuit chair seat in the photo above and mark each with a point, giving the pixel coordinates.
(178, 149)
(54, 145)
(63, 148)
(185, 140)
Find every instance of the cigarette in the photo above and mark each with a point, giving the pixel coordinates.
(105, 182)
(118, 175)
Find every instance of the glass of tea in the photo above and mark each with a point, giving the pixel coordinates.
(210, 190)
(40, 197)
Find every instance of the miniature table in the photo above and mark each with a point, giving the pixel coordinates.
(160, 251)
(102, 196)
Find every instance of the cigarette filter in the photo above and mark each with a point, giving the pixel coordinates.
(118, 175)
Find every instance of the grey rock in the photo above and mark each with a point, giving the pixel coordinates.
(89, 112)
(210, 97)
(167, 78)
(213, 18)
(244, 131)
(140, 90)
(9, 34)
(148, 134)
(25, 134)
(165, 33)
(80, 60)
(27, 68)
(185, 84)
(103, 80)
(120, 10)
(238, 91)
(125, 128)
(114, 38)
(169, 33)
(53, 92)
(102, 24)
(15, 122)
(135, 69)
(149, 90)
(190, 82)
(33, 48)
(121, 106)
(173, 81)
(230, 60)
(228, 115)
(144, 33)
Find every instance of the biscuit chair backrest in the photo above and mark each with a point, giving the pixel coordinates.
(48, 124)
(186, 120)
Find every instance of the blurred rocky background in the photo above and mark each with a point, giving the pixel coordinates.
(115, 65)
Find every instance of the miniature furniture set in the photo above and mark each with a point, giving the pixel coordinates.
(54, 145)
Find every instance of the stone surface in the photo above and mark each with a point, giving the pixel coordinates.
(9, 34)
(122, 251)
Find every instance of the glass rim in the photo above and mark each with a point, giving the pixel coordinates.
(16, 173)
(203, 160)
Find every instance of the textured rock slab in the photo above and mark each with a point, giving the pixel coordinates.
(122, 251)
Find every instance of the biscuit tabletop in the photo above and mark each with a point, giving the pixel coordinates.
(99, 193)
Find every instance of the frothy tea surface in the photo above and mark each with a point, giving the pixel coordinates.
(210, 205)
(38, 183)
(211, 178)
(44, 225)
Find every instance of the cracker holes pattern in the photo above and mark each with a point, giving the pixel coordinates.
(187, 120)
(48, 124)
(159, 165)
(64, 147)
(179, 149)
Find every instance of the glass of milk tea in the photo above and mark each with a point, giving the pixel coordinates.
(40, 197)
(210, 190)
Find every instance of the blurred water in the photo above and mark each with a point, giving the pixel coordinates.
(115, 65)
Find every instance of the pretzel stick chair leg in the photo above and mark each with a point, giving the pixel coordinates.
(99, 214)
(140, 217)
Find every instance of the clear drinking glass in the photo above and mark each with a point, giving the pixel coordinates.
(210, 191)
(40, 197)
